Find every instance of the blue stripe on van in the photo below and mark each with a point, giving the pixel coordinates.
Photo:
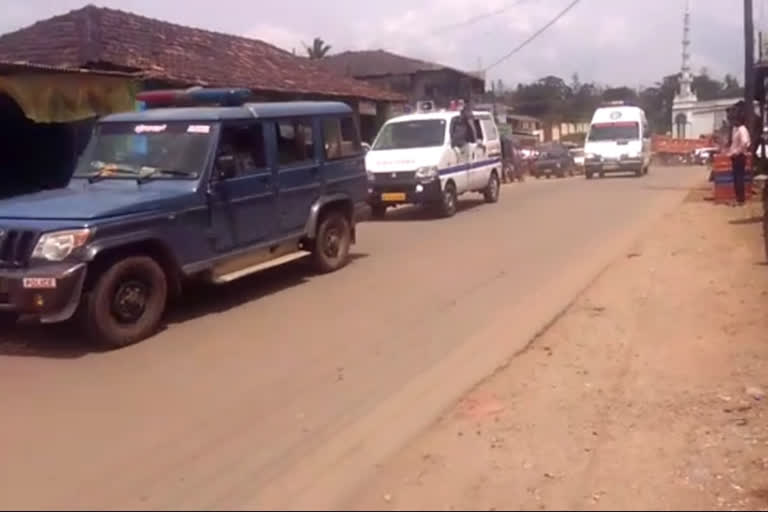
(466, 167)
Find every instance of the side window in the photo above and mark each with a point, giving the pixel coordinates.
(295, 142)
(245, 143)
(341, 138)
(491, 133)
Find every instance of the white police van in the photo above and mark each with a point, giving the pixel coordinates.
(433, 157)
(618, 141)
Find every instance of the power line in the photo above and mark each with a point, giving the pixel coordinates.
(479, 17)
(535, 34)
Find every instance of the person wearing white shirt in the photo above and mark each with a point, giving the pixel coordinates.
(738, 151)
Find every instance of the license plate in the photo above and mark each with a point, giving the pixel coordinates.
(39, 283)
(393, 196)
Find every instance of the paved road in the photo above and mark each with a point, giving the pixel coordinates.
(283, 390)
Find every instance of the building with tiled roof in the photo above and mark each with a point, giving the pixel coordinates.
(417, 79)
(108, 39)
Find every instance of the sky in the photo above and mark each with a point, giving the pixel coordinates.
(611, 42)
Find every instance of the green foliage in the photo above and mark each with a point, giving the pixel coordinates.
(318, 50)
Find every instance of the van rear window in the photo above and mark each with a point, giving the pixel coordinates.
(614, 131)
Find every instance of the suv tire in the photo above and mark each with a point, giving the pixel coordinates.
(447, 205)
(334, 238)
(8, 319)
(126, 303)
(378, 211)
(491, 191)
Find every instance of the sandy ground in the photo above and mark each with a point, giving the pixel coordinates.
(649, 391)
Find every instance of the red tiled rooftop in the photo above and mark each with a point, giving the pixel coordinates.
(110, 39)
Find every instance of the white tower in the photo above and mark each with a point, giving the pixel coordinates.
(685, 100)
(686, 80)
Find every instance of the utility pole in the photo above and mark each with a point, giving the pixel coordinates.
(749, 67)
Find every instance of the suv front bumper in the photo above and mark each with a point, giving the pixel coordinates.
(49, 292)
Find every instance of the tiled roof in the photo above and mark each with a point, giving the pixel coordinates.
(116, 40)
(21, 66)
(372, 63)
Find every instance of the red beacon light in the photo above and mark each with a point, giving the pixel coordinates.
(197, 96)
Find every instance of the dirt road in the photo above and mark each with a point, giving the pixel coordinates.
(648, 394)
(286, 389)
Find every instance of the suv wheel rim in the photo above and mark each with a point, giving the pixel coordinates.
(332, 242)
(449, 198)
(494, 187)
(130, 301)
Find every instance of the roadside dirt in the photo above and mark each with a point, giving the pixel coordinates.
(648, 393)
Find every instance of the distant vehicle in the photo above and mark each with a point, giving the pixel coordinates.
(703, 156)
(429, 158)
(618, 141)
(578, 158)
(554, 160)
(169, 195)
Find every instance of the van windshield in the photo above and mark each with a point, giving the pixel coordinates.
(614, 131)
(424, 133)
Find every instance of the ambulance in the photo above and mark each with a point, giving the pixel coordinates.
(618, 141)
(432, 157)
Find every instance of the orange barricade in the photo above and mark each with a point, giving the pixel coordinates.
(723, 179)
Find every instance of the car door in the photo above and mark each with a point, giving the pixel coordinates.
(492, 144)
(241, 195)
(297, 167)
(343, 157)
(479, 170)
(462, 149)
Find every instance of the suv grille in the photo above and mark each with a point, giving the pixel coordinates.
(15, 247)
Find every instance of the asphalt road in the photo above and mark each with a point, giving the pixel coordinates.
(285, 389)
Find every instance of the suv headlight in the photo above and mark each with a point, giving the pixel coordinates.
(427, 173)
(592, 156)
(59, 245)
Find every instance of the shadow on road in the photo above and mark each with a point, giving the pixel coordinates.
(65, 341)
(412, 213)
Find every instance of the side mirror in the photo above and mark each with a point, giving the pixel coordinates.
(225, 167)
(366, 147)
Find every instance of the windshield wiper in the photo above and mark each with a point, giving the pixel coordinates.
(106, 170)
(150, 172)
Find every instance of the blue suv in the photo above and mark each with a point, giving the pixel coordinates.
(168, 195)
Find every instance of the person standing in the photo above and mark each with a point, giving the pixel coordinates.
(738, 151)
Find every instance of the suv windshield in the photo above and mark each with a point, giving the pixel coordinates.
(618, 131)
(164, 150)
(424, 133)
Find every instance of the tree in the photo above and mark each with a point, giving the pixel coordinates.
(707, 88)
(625, 94)
(732, 88)
(575, 83)
(318, 50)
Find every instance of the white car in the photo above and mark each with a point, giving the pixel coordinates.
(423, 158)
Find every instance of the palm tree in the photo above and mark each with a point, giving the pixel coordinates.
(318, 50)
